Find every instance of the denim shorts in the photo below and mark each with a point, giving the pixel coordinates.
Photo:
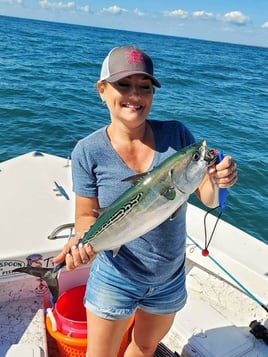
(112, 296)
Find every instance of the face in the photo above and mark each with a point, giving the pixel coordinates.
(129, 99)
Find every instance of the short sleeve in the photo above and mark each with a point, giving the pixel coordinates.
(84, 180)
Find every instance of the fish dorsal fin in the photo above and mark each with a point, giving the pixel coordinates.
(99, 211)
(115, 251)
(135, 178)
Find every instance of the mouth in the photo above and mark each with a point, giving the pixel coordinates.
(210, 156)
(132, 106)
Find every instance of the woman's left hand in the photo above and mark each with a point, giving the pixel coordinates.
(224, 174)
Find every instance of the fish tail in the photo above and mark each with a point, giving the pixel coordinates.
(49, 275)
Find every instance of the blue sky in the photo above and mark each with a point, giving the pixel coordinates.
(235, 21)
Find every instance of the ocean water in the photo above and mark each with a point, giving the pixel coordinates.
(48, 98)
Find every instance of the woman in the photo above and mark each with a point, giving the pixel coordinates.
(147, 275)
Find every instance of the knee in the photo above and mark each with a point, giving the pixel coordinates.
(147, 350)
(141, 350)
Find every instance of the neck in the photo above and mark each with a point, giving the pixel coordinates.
(135, 145)
(128, 134)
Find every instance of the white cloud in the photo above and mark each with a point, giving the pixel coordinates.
(265, 25)
(84, 8)
(203, 14)
(12, 2)
(235, 17)
(57, 5)
(138, 12)
(60, 5)
(115, 10)
(177, 13)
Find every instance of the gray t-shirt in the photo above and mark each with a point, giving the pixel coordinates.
(98, 172)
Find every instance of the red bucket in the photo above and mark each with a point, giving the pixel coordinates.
(76, 347)
(70, 313)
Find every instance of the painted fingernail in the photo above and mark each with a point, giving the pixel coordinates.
(74, 247)
(80, 245)
(211, 170)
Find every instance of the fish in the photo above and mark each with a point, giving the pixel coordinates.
(153, 197)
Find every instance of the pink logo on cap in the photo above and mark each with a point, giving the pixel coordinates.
(134, 57)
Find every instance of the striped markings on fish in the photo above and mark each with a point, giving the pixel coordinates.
(118, 215)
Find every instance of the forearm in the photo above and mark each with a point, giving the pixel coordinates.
(208, 192)
(83, 223)
(85, 215)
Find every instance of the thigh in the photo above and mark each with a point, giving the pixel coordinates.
(167, 298)
(148, 331)
(104, 336)
(151, 327)
(109, 295)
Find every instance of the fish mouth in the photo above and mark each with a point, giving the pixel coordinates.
(210, 156)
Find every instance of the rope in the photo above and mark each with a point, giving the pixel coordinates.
(252, 296)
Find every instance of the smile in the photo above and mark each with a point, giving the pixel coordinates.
(132, 106)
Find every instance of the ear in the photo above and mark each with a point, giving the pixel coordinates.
(100, 87)
(101, 90)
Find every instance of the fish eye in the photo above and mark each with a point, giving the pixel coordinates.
(196, 156)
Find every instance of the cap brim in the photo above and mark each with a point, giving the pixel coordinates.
(116, 77)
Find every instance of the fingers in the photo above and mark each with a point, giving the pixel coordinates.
(66, 249)
(225, 174)
(62, 255)
(80, 254)
(75, 253)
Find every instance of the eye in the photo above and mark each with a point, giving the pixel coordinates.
(122, 84)
(196, 156)
(145, 86)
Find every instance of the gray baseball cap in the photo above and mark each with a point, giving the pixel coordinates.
(126, 61)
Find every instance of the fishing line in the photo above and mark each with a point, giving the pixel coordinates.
(252, 296)
(205, 251)
(222, 203)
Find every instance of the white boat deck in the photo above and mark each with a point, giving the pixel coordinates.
(26, 221)
(215, 320)
(21, 320)
(30, 208)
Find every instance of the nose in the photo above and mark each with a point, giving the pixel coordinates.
(135, 90)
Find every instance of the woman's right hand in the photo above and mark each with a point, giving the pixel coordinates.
(75, 253)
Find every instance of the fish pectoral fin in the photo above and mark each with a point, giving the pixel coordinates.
(115, 251)
(99, 211)
(135, 178)
(169, 193)
(174, 214)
